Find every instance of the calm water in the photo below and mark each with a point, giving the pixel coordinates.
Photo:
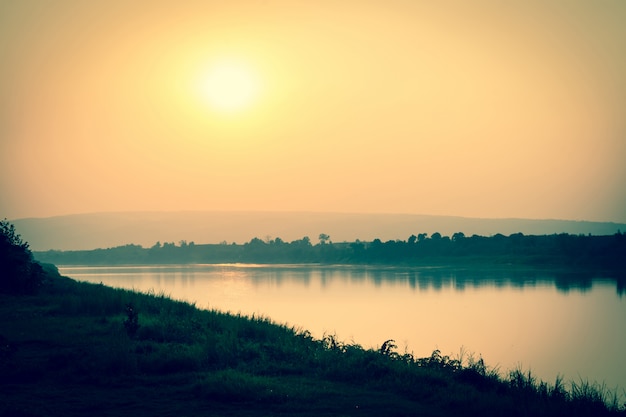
(527, 319)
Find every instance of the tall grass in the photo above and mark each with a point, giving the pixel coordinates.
(251, 358)
(175, 336)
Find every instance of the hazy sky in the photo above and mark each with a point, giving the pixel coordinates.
(469, 108)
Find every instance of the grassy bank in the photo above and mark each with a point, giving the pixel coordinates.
(79, 349)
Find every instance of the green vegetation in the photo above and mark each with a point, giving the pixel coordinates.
(20, 273)
(75, 349)
(606, 253)
(85, 349)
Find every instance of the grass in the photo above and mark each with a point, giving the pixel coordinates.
(82, 349)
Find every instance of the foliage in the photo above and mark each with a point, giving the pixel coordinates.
(85, 340)
(19, 273)
(132, 320)
(590, 252)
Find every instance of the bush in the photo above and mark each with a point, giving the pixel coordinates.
(19, 273)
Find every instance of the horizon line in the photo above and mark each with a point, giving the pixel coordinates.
(350, 213)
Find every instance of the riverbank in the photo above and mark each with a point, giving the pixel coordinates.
(78, 349)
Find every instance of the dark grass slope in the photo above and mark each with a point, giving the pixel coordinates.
(79, 349)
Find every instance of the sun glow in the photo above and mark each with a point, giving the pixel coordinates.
(229, 86)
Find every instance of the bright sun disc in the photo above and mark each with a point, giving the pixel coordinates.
(229, 87)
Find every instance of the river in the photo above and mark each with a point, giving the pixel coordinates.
(567, 324)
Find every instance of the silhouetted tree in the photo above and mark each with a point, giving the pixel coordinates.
(357, 249)
(458, 236)
(19, 273)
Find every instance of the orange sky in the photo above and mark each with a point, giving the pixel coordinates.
(478, 109)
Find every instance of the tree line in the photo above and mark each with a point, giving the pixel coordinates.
(606, 252)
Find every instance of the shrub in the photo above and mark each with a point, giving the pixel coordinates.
(132, 320)
(19, 273)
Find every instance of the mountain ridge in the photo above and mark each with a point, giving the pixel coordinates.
(108, 229)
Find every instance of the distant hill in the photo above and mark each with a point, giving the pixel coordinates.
(104, 230)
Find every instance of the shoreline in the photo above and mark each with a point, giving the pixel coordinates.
(78, 341)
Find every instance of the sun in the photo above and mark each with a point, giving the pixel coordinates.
(229, 86)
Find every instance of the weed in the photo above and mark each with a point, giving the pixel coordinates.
(132, 320)
(330, 342)
(437, 360)
(388, 347)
